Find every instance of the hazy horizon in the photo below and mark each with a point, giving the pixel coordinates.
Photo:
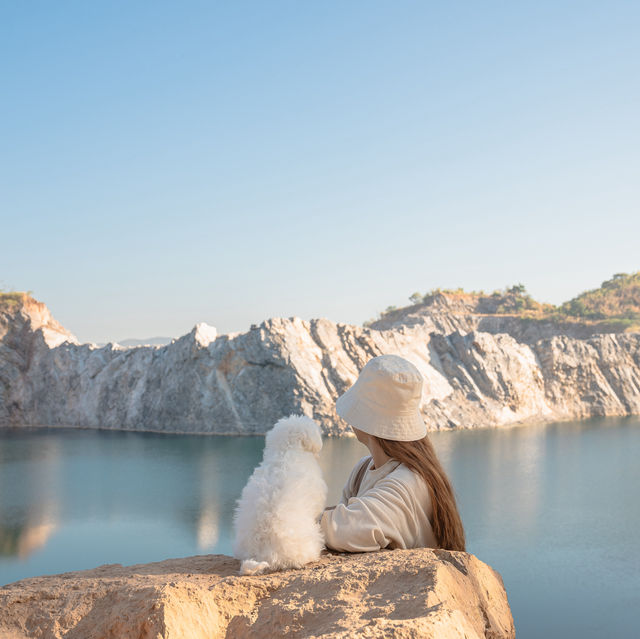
(165, 164)
(150, 338)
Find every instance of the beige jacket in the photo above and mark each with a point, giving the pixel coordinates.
(392, 509)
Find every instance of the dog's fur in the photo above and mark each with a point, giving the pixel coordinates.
(276, 518)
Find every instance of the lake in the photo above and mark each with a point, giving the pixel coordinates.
(554, 508)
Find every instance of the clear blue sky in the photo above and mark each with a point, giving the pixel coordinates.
(165, 163)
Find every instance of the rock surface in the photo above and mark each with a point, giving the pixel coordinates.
(399, 593)
(479, 371)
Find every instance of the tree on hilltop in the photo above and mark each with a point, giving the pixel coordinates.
(517, 289)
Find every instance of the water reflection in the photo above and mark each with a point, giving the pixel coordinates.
(208, 527)
(122, 485)
(142, 497)
(504, 469)
(24, 540)
(29, 497)
(207, 516)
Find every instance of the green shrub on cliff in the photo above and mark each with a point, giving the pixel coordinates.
(9, 300)
(617, 298)
(615, 306)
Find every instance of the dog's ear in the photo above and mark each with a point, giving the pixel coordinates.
(309, 435)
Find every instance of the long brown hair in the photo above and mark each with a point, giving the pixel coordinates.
(421, 458)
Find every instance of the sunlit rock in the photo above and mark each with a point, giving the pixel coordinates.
(398, 593)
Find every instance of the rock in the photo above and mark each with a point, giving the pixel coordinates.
(242, 383)
(31, 315)
(204, 334)
(398, 593)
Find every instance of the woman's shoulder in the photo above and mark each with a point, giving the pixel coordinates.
(358, 467)
(404, 476)
(355, 476)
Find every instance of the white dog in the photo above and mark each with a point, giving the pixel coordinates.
(275, 521)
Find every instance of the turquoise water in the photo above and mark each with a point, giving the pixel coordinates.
(553, 508)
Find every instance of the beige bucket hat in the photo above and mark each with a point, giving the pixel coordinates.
(385, 400)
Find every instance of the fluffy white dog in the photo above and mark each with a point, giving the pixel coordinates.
(276, 518)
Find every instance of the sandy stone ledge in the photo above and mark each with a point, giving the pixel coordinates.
(399, 593)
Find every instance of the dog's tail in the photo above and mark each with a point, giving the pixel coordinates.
(251, 567)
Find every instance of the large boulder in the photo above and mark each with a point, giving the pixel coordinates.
(398, 593)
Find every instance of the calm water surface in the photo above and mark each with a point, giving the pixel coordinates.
(553, 508)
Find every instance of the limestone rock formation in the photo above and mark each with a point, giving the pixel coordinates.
(397, 593)
(242, 383)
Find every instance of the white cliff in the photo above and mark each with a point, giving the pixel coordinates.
(512, 372)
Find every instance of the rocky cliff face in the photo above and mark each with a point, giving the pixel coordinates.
(399, 593)
(479, 371)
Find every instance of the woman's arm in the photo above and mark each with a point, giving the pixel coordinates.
(382, 516)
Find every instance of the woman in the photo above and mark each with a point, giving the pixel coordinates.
(400, 496)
